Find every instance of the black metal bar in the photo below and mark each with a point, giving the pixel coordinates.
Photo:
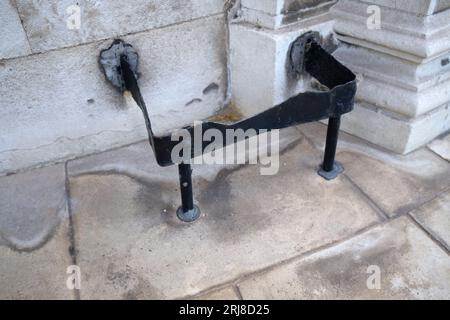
(188, 212)
(332, 140)
(306, 107)
(120, 64)
(330, 169)
(131, 84)
(185, 172)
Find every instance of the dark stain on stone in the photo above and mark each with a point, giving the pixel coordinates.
(445, 62)
(118, 278)
(181, 7)
(295, 10)
(91, 14)
(215, 196)
(296, 5)
(142, 289)
(54, 7)
(193, 101)
(162, 198)
(90, 101)
(423, 188)
(32, 235)
(218, 199)
(157, 197)
(211, 88)
(330, 43)
(151, 7)
(157, 202)
(72, 251)
(346, 276)
(126, 278)
(404, 209)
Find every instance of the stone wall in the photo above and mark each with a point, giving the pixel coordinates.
(260, 39)
(55, 103)
(403, 99)
(196, 55)
(403, 64)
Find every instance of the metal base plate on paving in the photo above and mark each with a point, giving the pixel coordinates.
(333, 174)
(189, 216)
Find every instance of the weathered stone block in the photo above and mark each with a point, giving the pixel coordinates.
(393, 132)
(402, 34)
(58, 105)
(407, 88)
(13, 41)
(403, 98)
(272, 7)
(46, 22)
(259, 77)
(421, 7)
(274, 14)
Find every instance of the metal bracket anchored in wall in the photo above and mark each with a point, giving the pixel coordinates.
(120, 64)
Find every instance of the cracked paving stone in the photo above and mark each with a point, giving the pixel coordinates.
(435, 218)
(413, 179)
(410, 265)
(130, 244)
(34, 241)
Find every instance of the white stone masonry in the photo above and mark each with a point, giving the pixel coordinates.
(404, 66)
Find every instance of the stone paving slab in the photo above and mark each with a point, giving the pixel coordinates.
(411, 266)
(38, 274)
(138, 161)
(435, 218)
(441, 147)
(32, 204)
(34, 235)
(130, 245)
(413, 179)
